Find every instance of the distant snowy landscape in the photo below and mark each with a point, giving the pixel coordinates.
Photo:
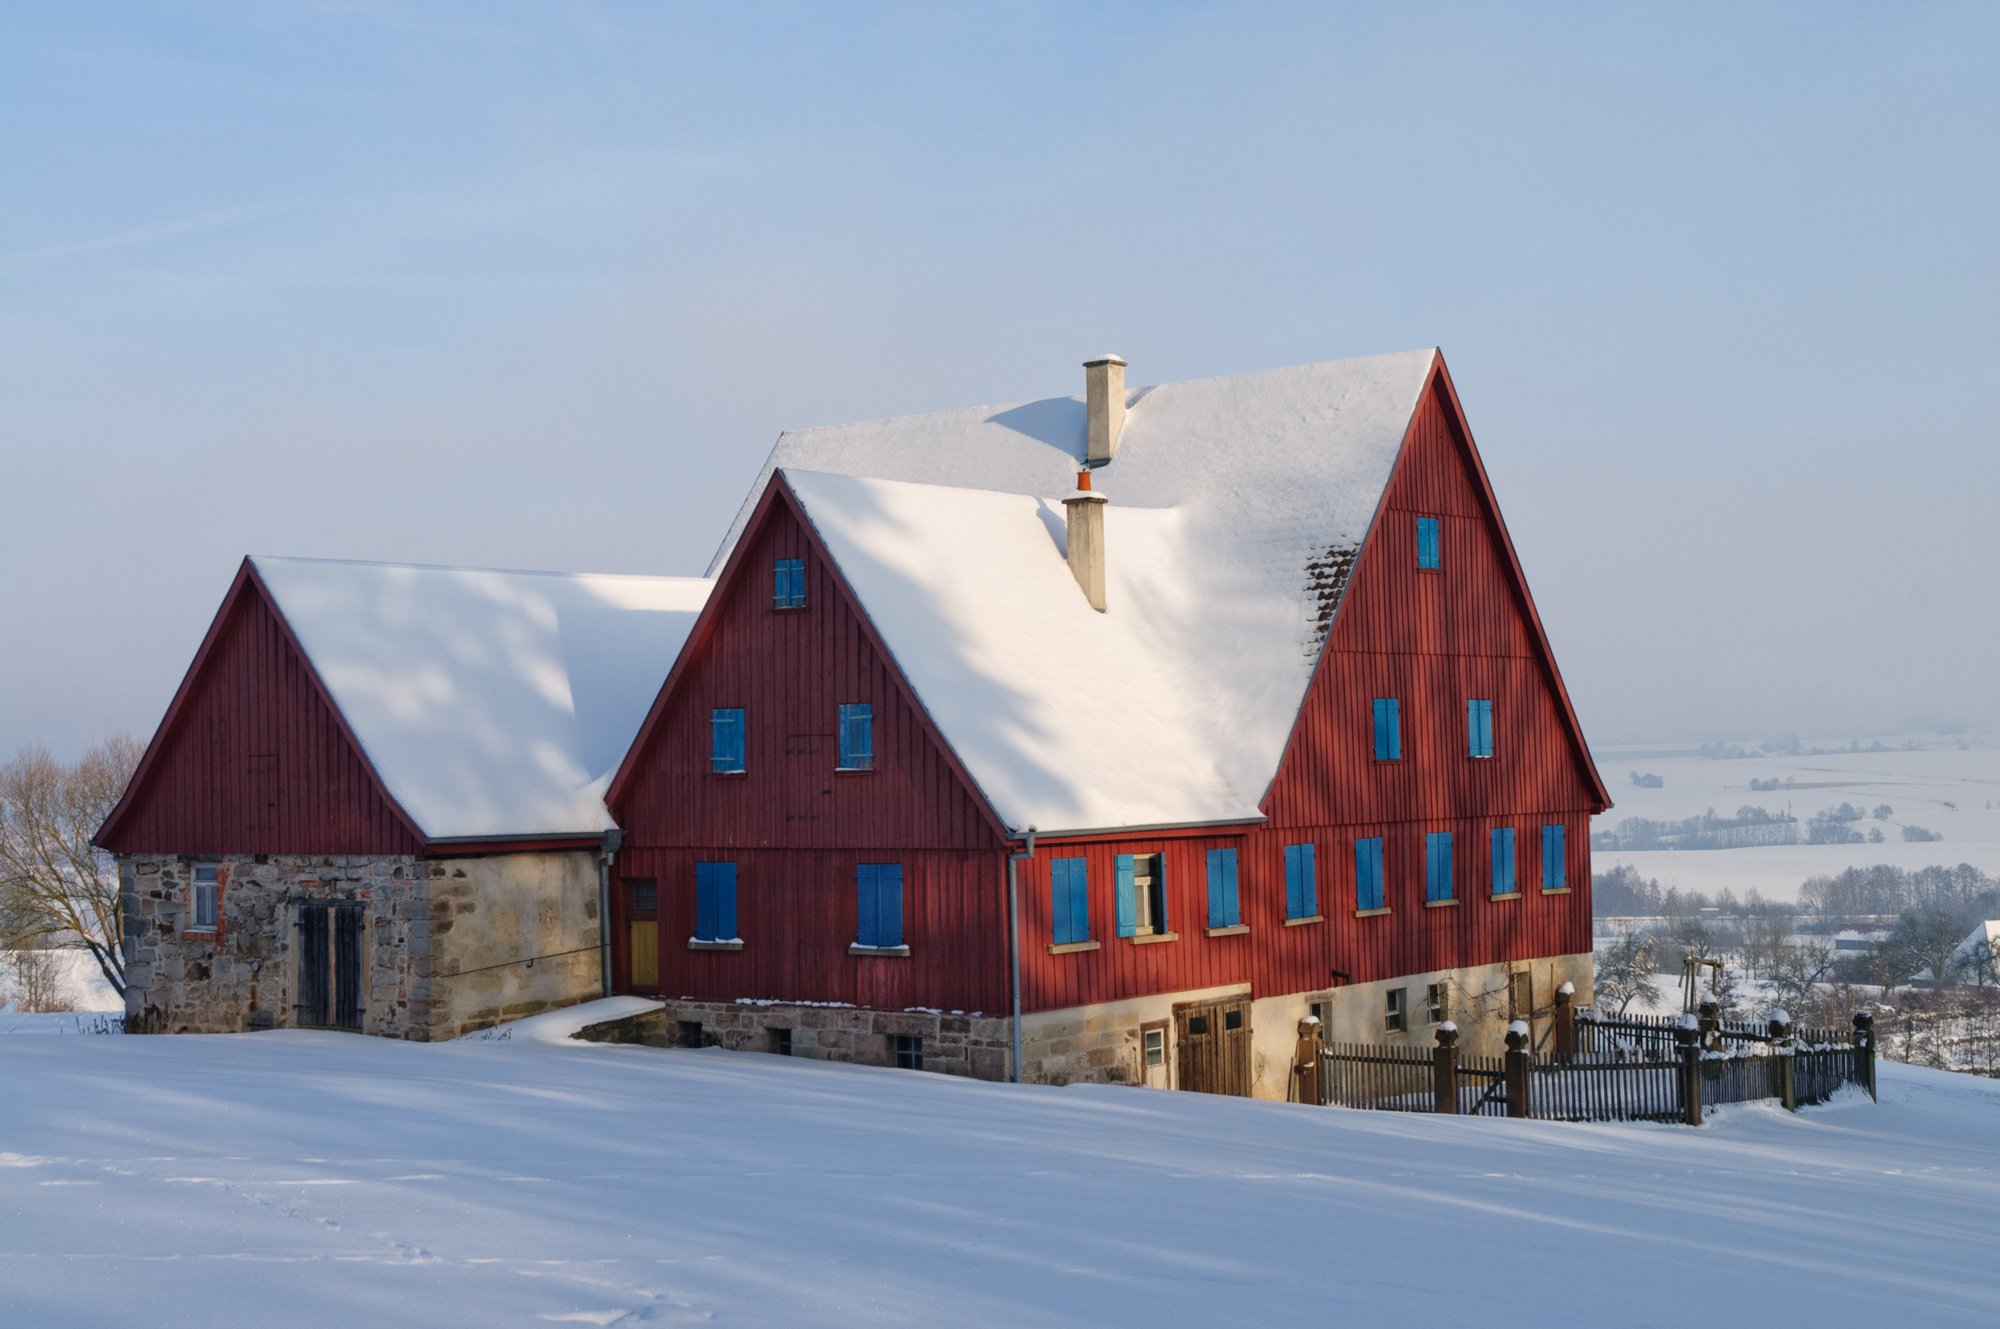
(310, 1179)
(1937, 786)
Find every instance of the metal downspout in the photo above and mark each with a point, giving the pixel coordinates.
(607, 854)
(1014, 940)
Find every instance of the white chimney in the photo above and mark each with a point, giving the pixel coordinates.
(1086, 539)
(1104, 398)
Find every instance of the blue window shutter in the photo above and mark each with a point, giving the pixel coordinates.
(1128, 907)
(1292, 881)
(1308, 884)
(1479, 728)
(726, 738)
(891, 879)
(1368, 873)
(1427, 542)
(781, 585)
(1059, 901)
(1437, 865)
(1388, 729)
(857, 736)
(1502, 841)
(868, 929)
(1553, 867)
(1079, 900)
(704, 902)
(1215, 896)
(1232, 910)
(796, 580)
(725, 902)
(1486, 728)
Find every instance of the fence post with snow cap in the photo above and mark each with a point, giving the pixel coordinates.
(1566, 1022)
(1519, 1060)
(1444, 1069)
(1864, 1049)
(1687, 1044)
(1783, 1045)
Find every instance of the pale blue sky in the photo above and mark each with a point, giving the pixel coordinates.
(536, 286)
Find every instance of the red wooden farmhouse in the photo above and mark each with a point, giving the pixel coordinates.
(1082, 739)
(1167, 718)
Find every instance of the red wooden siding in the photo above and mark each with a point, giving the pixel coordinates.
(795, 910)
(1275, 959)
(253, 759)
(790, 670)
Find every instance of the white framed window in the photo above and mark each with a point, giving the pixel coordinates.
(201, 898)
(1394, 1008)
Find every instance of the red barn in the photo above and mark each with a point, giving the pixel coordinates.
(1125, 732)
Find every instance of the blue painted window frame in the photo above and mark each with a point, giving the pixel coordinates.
(1437, 866)
(203, 889)
(857, 736)
(788, 584)
(1479, 727)
(725, 736)
(1504, 880)
(1430, 551)
(715, 902)
(1388, 729)
(1555, 870)
(1069, 901)
(1368, 872)
(1224, 908)
(1301, 882)
(878, 889)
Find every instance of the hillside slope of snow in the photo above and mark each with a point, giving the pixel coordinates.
(316, 1179)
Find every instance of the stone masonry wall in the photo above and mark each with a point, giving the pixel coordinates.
(974, 1045)
(444, 942)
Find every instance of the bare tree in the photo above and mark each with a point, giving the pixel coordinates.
(56, 887)
(1797, 970)
(38, 982)
(1625, 970)
(1929, 938)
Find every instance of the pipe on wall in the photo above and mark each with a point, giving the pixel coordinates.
(1014, 939)
(607, 854)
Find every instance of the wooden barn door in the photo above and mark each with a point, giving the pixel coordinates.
(642, 938)
(1214, 1040)
(330, 965)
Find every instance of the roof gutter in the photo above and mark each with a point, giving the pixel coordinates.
(1157, 828)
(608, 845)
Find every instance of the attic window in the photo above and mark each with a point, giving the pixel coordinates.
(1429, 554)
(788, 584)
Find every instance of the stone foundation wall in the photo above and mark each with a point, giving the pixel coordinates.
(445, 944)
(974, 1045)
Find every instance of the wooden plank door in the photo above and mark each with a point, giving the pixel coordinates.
(315, 1003)
(642, 936)
(347, 965)
(1214, 1040)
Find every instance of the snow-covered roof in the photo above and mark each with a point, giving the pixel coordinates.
(492, 704)
(1236, 507)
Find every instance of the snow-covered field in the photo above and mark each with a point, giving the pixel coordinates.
(81, 983)
(1941, 787)
(312, 1179)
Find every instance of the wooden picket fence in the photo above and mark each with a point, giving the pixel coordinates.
(1601, 1069)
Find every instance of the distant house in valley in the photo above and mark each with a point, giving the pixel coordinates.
(1167, 718)
(375, 802)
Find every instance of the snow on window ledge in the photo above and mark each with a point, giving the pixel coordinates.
(731, 944)
(856, 948)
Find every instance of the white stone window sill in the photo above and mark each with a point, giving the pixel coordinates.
(858, 949)
(697, 944)
(1301, 922)
(1560, 890)
(1072, 947)
(1439, 904)
(1371, 913)
(1505, 895)
(1233, 930)
(1148, 938)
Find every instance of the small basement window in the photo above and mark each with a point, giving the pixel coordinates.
(1156, 1047)
(201, 898)
(1437, 1003)
(689, 1034)
(781, 1042)
(907, 1050)
(1394, 1020)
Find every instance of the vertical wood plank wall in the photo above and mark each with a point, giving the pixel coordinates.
(256, 761)
(1432, 639)
(794, 826)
